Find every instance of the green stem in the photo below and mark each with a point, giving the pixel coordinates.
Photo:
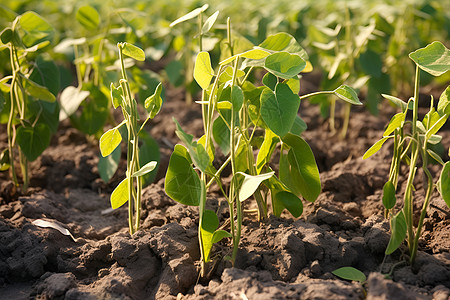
(347, 109)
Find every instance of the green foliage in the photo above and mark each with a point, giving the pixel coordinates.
(350, 273)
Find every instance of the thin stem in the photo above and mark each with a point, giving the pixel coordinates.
(347, 109)
(315, 94)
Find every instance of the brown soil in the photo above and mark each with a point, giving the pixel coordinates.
(279, 258)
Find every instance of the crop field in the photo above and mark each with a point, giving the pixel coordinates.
(252, 149)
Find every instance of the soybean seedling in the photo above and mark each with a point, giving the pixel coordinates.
(412, 140)
(29, 108)
(130, 189)
(233, 109)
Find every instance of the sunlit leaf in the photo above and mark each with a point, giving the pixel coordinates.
(190, 15)
(444, 102)
(251, 184)
(109, 141)
(376, 147)
(203, 72)
(70, 99)
(132, 51)
(396, 122)
(120, 195)
(88, 17)
(434, 58)
(154, 102)
(210, 22)
(266, 150)
(145, 169)
(347, 94)
(284, 64)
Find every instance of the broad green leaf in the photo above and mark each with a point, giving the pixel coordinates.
(397, 121)
(182, 183)
(270, 81)
(444, 183)
(291, 202)
(120, 195)
(398, 232)
(219, 235)
(154, 102)
(46, 73)
(303, 171)
(347, 94)
(294, 84)
(266, 150)
(107, 166)
(70, 99)
(284, 64)
(221, 134)
(350, 273)
(389, 198)
(237, 97)
(444, 102)
(255, 54)
(147, 168)
(109, 141)
(434, 58)
(132, 51)
(203, 72)
(279, 109)
(284, 42)
(197, 152)
(38, 91)
(251, 184)
(210, 222)
(435, 128)
(88, 17)
(299, 126)
(190, 15)
(210, 22)
(376, 147)
(35, 27)
(33, 140)
(398, 102)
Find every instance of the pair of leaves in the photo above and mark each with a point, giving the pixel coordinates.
(210, 234)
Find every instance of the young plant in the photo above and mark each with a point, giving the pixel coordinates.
(412, 140)
(233, 112)
(130, 189)
(29, 108)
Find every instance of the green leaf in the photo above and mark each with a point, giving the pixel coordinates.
(284, 42)
(88, 17)
(444, 102)
(154, 102)
(398, 232)
(190, 15)
(109, 141)
(145, 169)
(203, 72)
(284, 64)
(434, 58)
(371, 63)
(237, 97)
(254, 54)
(266, 150)
(397, 121)
(197, 152)
(299, 126)
(46, 73)
(132, 51)
(347, 94)
(302, 170)
(398, 102)
(219, 235)
(376, 147)
(436, 126)
(107, 166)
(251, 184)
(94, 112)
(182, 183)
(70, 99)
(435, 156)
(279, 109)
(35, 27)
(6, 35)
(270, 80)
(294, 84)
(116, 95)
(389, 198)
(33, 140)
(210, 22)
(350, 273)
(291, 202)
(120, 195)
(221, 134)
(444, 183)
(38, 91)
(210, 222)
